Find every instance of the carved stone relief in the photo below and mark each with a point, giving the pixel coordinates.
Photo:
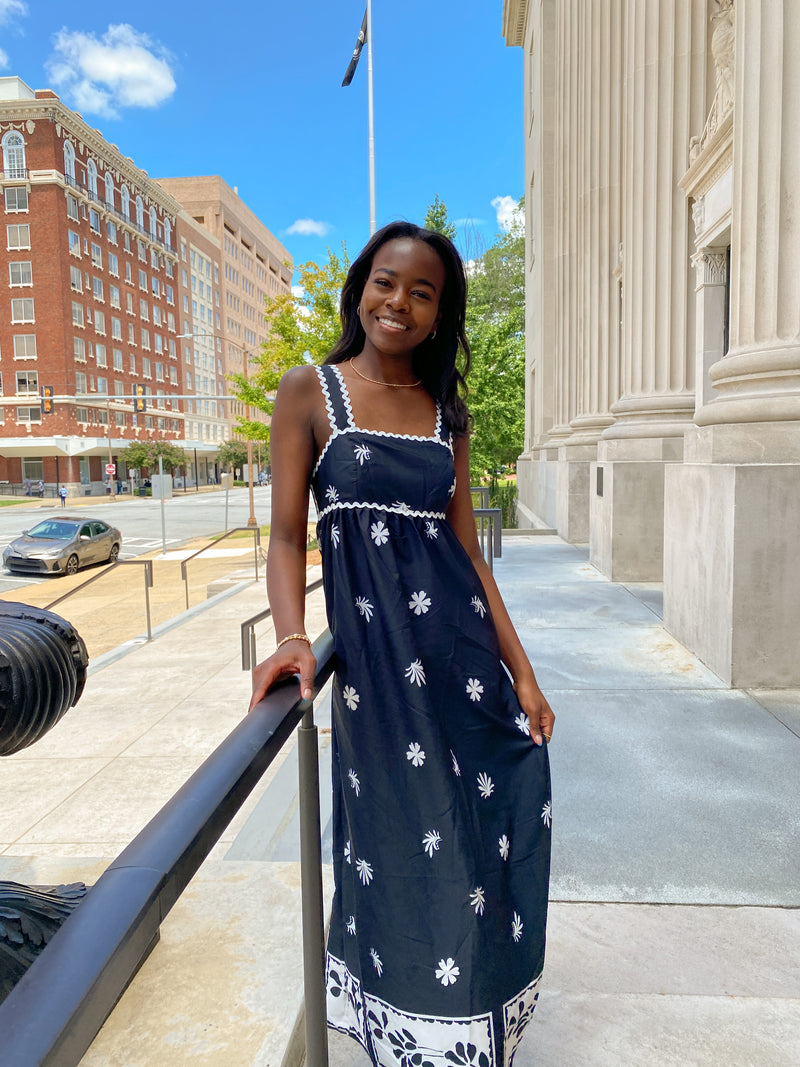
(723, 40)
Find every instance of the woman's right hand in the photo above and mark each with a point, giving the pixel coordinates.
(295, 657)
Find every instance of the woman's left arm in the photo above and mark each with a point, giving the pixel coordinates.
(460, 516)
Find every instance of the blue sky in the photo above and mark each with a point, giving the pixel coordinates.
(252, 91)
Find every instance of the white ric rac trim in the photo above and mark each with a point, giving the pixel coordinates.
(393, 509)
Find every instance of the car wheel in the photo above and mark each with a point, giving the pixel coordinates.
(113, 555)
(72, 565)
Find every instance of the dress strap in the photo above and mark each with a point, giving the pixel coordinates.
(335, 399)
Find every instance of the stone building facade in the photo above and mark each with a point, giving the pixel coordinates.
(663, 308)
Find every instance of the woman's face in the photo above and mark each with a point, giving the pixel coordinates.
(399, 306)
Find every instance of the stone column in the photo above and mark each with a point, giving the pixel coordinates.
(731, 574)
(664, 105)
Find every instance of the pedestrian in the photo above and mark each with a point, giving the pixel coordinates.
(441, 797)
(27, 486)
(62, 492)
(39, 488)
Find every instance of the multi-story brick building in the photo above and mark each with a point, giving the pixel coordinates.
(90, 261)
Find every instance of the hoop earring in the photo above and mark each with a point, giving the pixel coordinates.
(432, 336)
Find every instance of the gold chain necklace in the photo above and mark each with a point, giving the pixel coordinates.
(391, 385)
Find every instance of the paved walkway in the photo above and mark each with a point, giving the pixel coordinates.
(674, 926)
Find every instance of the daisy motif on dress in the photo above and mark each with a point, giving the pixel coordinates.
(347, 852)
(447, 972)
(505, 845)
(365, 607)
(401, 506)
(516, 927)
(351, 926)
(478, 604)
(376, 961)
(477, 900)
(362, 453)
(415, 673)
(354, 782)
(335, 535)
(419, 602)
(364, 871)
(350, 697)
(456, 768)
(379, 533)
(523, 722)
(332, 493)
(547, 814)
(485, 785)
(431, 842)
(431, 531)
(415, 754)
(474, 689)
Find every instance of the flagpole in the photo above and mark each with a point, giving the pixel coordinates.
(371, 111)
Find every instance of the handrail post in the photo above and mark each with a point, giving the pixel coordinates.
(256, 546)
(185, 576)
(148, 582)
(311, 893)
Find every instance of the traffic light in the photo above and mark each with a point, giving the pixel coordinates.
(139, 401)
(47, 403)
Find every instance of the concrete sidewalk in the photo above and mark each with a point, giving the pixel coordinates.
(676, 838)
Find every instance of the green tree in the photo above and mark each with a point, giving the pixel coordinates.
(140, 454)
(302, 329)
(436, 219)
(232, 455)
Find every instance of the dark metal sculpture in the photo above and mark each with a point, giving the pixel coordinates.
(43, 664)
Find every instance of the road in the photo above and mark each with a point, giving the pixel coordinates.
(139, 518)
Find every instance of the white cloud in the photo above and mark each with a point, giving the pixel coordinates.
(123, 68)
(309, 228)
(508, 213)
(298, 291)
(10, 9)
(3, 60)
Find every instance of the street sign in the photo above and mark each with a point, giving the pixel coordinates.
(111, 468)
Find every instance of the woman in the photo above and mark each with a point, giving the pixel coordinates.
(441, 809)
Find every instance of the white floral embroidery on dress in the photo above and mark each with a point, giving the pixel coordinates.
(332, 494)
(431, 530)
(415, 673)
(350, 697)
(419, 602)
(376, 961)
(474, 689)
(547, 813)
(516, 927)
(365, 607)
(453, 487)
(354, 782)
(351, 926)
(480, 608)
(402, 507)
(379, 533)
(485, 785)
(362, 453)
(347, 855)
(505, 845)
(456, 768)
(431, 842)
(523, 722)
(477, 900)
(364, 871)
(447, 972)
(335, 535)
(415, 754)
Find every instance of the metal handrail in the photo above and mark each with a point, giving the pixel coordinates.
(57, 1008)
(492, 548)
(248, 629)
(148, 585)
(256, 530)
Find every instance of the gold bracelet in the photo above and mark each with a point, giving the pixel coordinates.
(294, 637)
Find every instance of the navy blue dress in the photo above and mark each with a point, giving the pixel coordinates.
(441, 801)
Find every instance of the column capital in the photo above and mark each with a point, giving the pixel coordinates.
(711, 265)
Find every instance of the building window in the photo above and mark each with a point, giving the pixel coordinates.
(97, 256)
(111, 231)
(173, 375)
(82, 414)
(119, 418)
(109, 191)
(153, 227)
(172, 349)
(79, 349)
(14, 156)
(94, 220)
(20, 273)
(77, 314)
(129, 303)
(141, 250)
(128, 273)
(131, 334)
(159, 372)
(116, 329)
(144, 313)
(100, 356)
(170, 295)
(158, 341)
(16, 199)
(117, 355)
(139, 213)
(91, 177)
(146, 367)
(113, 296)
(168, 268)
(125, 201)
(76, 279)
(72, 208)
(102, 386)
(143, 280)
(113, 264)
(156, 287)
(24, 346)
(132, 362)
(167, 235)
(156, 315)
(126, 240)
(99, 322)
(18, 236)
(27, 381)
(145, 339)
(97, 288)
(29, 414)
(69, 161)
(80, 383)
(74, 244)
(22, 310)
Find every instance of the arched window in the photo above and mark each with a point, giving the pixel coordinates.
(153, 230)
(91, 177)
(125, 198)
(69, 160)
(167, 233)
(109, 190)
(14, 155)
(139, 212)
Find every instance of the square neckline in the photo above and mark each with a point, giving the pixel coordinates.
(353, 425)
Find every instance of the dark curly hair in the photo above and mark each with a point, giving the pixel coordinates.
(435, 361)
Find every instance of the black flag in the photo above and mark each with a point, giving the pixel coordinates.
(362, 36)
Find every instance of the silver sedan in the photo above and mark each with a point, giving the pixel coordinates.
(62, 545)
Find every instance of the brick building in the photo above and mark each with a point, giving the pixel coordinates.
(90, 261)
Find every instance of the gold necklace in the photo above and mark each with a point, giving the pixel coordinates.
(391, 385)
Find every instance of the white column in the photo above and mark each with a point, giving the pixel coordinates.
(710, 265)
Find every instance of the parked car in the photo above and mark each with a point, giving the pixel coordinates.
(62, 545)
